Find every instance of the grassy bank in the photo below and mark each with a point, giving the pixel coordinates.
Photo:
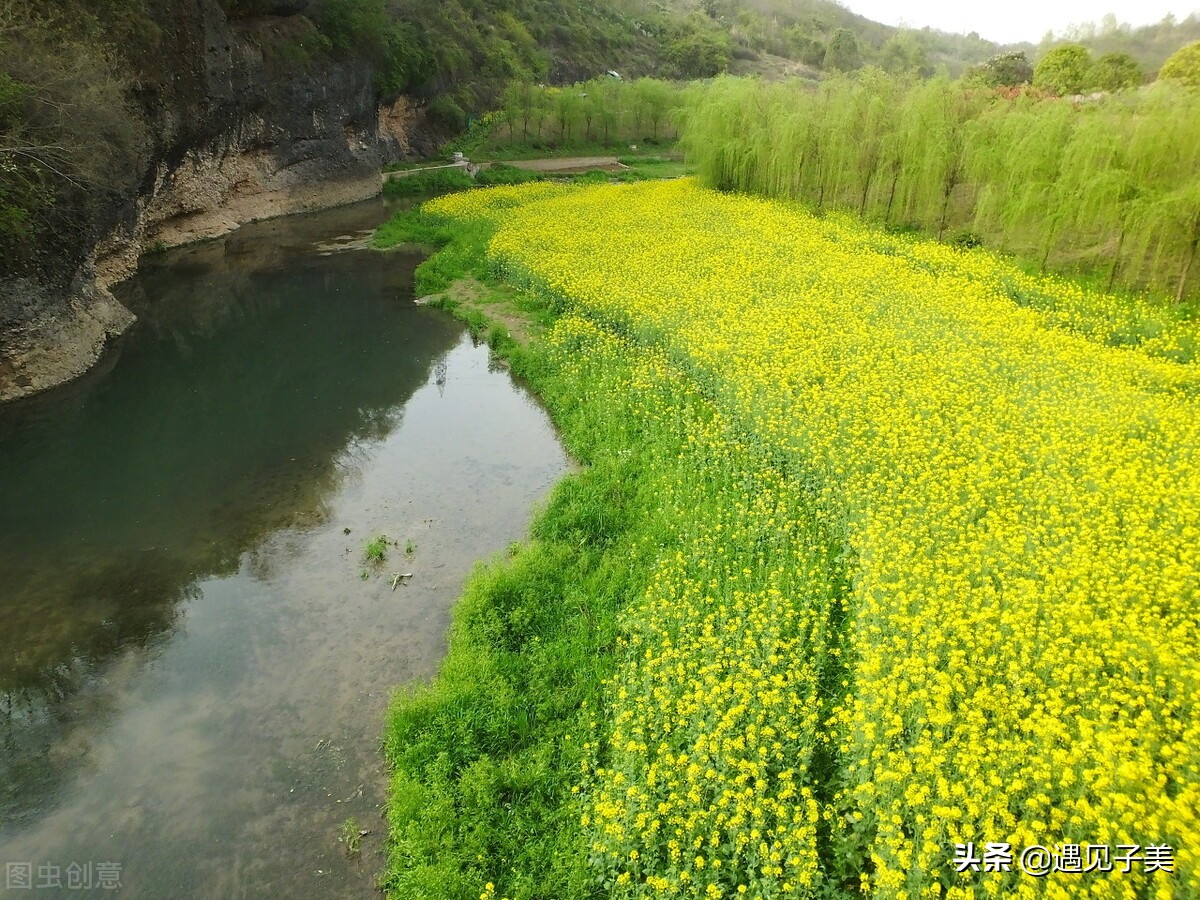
(498, 762)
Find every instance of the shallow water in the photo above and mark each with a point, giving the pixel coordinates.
(195, 660)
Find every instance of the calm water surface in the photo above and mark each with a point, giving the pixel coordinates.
(195, 661)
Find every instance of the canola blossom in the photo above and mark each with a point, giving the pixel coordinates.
(950, 592)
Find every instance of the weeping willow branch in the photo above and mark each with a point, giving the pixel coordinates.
(1111, 187)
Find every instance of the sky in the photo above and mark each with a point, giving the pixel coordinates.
(1015, 20)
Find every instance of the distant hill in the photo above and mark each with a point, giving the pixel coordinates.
(805, 31)
(1150, 45)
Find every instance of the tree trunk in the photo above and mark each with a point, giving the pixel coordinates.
(945, 210)
(951, 184)
(1187, 266)
(887, 216)
(1112, 274)
(862, 208)
(1049, 244)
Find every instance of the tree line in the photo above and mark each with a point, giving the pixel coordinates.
(607, 111)
(1108, 187)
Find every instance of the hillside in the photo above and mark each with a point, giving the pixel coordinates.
(136, 124)
(1149, 45)
(825, 35)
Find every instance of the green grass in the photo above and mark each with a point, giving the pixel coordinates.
(376, 549)
(350, 835)
(431, 182)
(485, 757)
(409, 227)
(498, 174)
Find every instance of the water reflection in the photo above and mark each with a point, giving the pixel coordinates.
(241, 399)
(193, 673)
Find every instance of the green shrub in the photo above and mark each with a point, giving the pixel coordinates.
(428, 182)
(501, 174)
(444, 111)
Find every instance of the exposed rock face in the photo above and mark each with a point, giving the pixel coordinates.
(237, 137)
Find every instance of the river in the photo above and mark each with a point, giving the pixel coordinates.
(195, 657)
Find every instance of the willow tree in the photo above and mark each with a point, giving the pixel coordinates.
(654, 98)
(568, 108)
(715, 125)
(1113, 185)
(1164, 146)
(608, 94)
(1104, 195)
(935, 121)
(875, 109)
(1037, 200)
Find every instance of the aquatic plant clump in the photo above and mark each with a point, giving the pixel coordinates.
(375, 550)
(948, 598)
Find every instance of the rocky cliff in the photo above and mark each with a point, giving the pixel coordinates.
(236, 132)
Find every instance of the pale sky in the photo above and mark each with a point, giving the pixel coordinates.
(1015, 20)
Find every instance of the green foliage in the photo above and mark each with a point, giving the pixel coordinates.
(699, 51)
(375, 550)
(1003, 70)
(842, 54)
(1107, 189)
(1183, 66)
(902, 54)
(498, 174)
(68, 135)
(1114, 72)
(353, 25)
(1064, 70)
(445, 112)
(367, 29)
(485, 758)
(433, 181)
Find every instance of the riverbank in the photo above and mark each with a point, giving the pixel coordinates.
(205, 662)
(483, 758)
(62, 338)
(220, 131)
(493, 760)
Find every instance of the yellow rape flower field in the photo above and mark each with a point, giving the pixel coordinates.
(946, 592)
